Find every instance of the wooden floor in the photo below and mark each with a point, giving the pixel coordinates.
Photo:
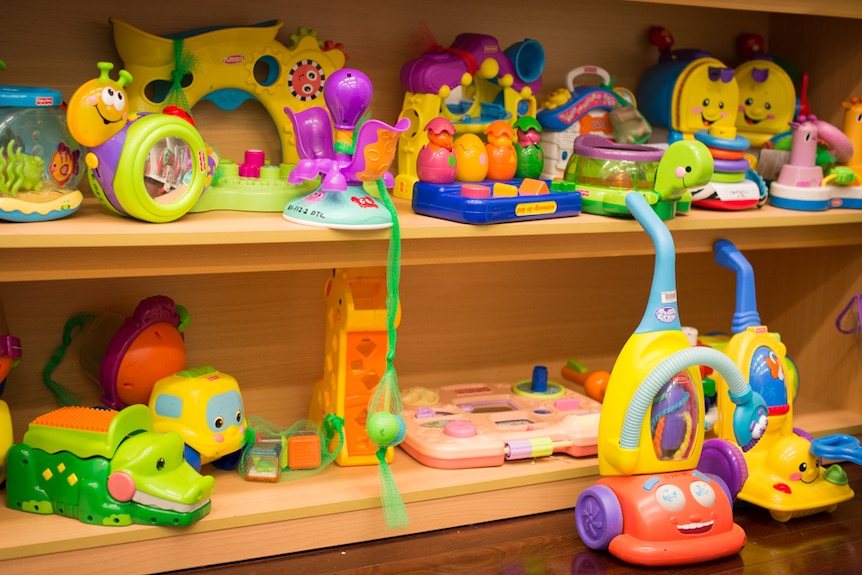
(548, 544)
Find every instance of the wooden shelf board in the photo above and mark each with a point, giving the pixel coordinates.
(838, 8)
(238, 503)
(241, 242)
(248, 513)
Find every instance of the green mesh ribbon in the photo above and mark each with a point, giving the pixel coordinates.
(273, 454)
(385, 423)
(75, 323)
(184, 64)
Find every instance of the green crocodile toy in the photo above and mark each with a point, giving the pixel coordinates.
(105, 467)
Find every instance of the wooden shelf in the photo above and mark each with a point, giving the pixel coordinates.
(342, 502)
(838, 8)
(301, 511)
(77, 247)
(480, 303)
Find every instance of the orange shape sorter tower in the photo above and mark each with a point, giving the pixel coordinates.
(354, 357)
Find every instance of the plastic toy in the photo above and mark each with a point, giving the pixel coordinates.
(849, 320)
(475, 182)
(734, 184)
(784, 472)
(576, 110)
(40, 164)
(801, 184)
(125, 355)
(687, 90)
(531, 156)
(767, 99)
(653, 505)
(354, 357)
(252, 186)
(436, 162)
(361, 152)
(227, 66)
(853, 130)
(105, 468)
(10, 355)
(485, 425)
(299, 451)
(595, 383)
(205, 407)
(472, 83)
(606, 172)
(489, 202)
(502, 158)
(149, 166)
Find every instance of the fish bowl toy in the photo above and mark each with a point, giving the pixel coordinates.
(41, 164)
(785, 472)
(655, 505)
(148, 166)
(606, 172)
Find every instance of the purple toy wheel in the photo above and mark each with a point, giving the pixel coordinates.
(598, 517)
(725, 460)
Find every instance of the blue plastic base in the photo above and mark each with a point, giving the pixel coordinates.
(446, 202)
(39, 206)
(352, 209)
(815, 199)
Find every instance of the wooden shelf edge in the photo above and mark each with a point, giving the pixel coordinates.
(239, 504)
(246, 242)
(836, 8)
(246, 515)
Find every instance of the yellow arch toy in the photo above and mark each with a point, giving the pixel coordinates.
(225, 62)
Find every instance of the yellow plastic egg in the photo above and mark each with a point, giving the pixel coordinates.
(471, 158)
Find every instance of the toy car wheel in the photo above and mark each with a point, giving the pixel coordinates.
(229, 461)
(598, 517)
(724, 459)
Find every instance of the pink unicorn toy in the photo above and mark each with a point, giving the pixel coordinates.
(802, 170)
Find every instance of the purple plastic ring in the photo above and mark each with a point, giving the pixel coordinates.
(731, 166)
(598, 147)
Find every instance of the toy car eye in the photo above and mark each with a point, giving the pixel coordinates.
(119, 101)
(239, 416)
(705, 102)
(803, 467)
(721, 105)
(749, 101)
(768, 106)
(670, 497)
(219, 422)
(160, 464)
(703, 493)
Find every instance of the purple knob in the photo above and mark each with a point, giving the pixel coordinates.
(347, 93)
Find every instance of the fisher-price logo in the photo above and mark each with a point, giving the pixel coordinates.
(233, 59)
(44, 101)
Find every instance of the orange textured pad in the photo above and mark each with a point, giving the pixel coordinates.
(303, 451)
(77, 417)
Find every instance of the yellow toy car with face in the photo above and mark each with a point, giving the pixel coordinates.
(205, 407)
